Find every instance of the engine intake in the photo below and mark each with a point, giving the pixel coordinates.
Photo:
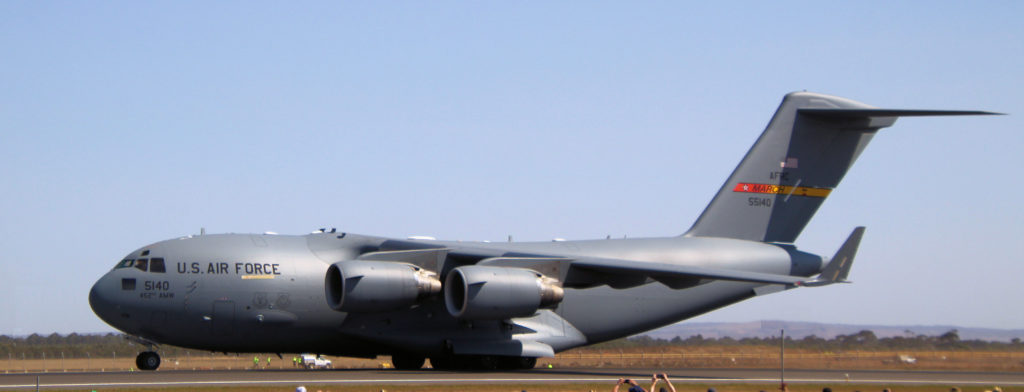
(377, 286)
(495, 293)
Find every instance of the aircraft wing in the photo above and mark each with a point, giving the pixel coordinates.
(627, 273)
(586, 272)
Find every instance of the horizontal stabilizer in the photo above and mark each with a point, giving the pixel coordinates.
(855, 113)
(839, 268)
(859, 119)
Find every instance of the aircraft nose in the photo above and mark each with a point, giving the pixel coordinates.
(100, 298)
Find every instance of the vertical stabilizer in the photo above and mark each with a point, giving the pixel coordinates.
(805, 151)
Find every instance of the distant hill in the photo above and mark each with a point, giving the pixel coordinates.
(799, 330)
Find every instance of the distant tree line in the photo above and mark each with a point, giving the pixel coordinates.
(117, 345)
(80, 346)
(863, 340)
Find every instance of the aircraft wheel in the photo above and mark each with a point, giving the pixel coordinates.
(516, 363)
(442, 363)
(467, 362)
(451, 362)
(147, 361)
(407, 362)
(526, 363)
(485, 362)
(438, 363)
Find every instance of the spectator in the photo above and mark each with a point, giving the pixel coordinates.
(633, 386)
(663, 376)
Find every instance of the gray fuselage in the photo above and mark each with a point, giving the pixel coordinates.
(266, 293)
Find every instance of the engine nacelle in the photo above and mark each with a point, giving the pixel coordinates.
(495, 293)
(377, 286)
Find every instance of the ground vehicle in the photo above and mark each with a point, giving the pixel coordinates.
(311, 361)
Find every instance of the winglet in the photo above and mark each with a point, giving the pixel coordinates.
(839, 268)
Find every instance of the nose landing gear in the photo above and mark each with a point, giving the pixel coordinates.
(147, 360)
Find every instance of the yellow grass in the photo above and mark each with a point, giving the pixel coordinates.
(659, 358)
(768, 357)
(581, 387)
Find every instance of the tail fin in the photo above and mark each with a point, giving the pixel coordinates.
(805, 151)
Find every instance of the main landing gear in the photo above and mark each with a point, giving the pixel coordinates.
(407, 362)
(147, 360)
(482, 362)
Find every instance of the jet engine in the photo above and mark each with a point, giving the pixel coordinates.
(377, 286)
(495, 293)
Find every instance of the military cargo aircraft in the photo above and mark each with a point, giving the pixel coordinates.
(484, 305)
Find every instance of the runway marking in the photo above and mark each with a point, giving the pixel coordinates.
(505, 380)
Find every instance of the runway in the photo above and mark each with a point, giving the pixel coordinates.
(394, 377)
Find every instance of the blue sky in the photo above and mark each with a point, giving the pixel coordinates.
(125, 123)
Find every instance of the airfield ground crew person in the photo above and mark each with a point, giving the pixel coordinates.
(256, 362)
(295, 361)
(268, 362)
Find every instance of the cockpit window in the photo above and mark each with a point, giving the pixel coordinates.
(157, 265)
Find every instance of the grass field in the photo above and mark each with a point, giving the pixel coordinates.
(582, 387)
(768, 357)
(667, 358)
